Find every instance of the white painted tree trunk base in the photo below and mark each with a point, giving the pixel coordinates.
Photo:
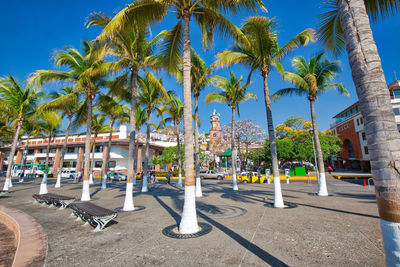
(85, 191)
(128, 204)
(391, 242)
(180, 180)
(234, 182)
(91, 179)
(43, 189)
(58, 183)
(199, 193)
(269, 180)
(10, 183)
(322, 190)
(287, 181)
(6, 185)
(134, 179)
(188, 224)
(145, 187)
(278, 200)
(104, 182)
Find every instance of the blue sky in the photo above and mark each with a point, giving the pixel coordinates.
(32, 30)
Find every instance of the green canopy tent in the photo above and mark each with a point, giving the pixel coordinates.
(227, 154)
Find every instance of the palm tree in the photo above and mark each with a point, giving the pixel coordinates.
(353, 30)
(49, 123)
(174, 108)
(200, 78)
(66, 102)
(233, 93)
(87, 71)
(206, 13)
(312, 79)
(150, 96)
(133, 50)
(116, 111)
(264, 54)
(18, 104)
(98, 126)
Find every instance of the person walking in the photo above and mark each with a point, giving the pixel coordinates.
(330, 169)
(169, 177)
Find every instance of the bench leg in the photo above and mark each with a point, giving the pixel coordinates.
(72, 214)
(102, 222)
(65, 203)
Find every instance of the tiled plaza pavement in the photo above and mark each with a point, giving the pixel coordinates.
(339, 230)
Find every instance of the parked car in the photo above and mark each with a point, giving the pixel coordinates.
(244, 177)
(211, 175)
(119, 176)
(69, 174)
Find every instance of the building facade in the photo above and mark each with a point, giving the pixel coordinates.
(36, 150)
(349, 126)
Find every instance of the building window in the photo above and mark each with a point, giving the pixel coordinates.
(31, 152)
(98, 149)
(396, 111)
(112, 164)
(67, 164)
(358, 122)
(363, 136)
(43, 150)
(70, 149)
(396, 93)
(398, 127)
(366, 150)
(53, 150)
(98, 164)
(361, 120)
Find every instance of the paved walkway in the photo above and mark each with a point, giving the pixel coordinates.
(339, 230)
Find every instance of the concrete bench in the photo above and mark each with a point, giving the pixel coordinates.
(92, 214)
(54, 200)
(3, 193)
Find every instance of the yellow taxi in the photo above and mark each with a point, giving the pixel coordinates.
(244, 177)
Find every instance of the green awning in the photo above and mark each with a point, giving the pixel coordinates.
(227, 153)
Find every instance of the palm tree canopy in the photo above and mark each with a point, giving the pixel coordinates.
(113, 108)
(66, 101)
(49, 122)
(151, 92)
(312, 77)
(264, 53)
(141, 117)
(17, 102)
(232, 92)
(206, 13)
(174, 108)
(330, 30)
(98, 124)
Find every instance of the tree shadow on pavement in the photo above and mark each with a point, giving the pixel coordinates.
(336, 210)
(253, 248)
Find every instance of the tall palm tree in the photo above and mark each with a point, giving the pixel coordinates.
(87, 71)
(200, 78)
(98, 126)
(174, 108)
(233, 93)
(347, 24)
(150, 96)
(18, 104)
(312, 78)
(49, 123)
(117, 112)
(207, 14)
(264, 54)
(133, 50)
(65, 101)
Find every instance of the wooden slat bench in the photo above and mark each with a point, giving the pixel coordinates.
(53, 199)
(95, 215)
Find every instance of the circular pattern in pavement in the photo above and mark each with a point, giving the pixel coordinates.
(137, 208)
(287, 205)
(221, 211)
(173, 231)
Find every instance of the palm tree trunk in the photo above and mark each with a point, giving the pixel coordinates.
(92, 160)
(24, 157)
(196, 146)
(63, 149)
(146, 155)
(380, 126)
(85, 189)
(179, 155)
(108, 148)
(278, 200)
(43, 184)
(132, 150)
(132, 126)
(322, 190)
(234, 156)
(11, 157)
(188, 222)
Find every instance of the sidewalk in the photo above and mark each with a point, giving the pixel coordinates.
(339, 230)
